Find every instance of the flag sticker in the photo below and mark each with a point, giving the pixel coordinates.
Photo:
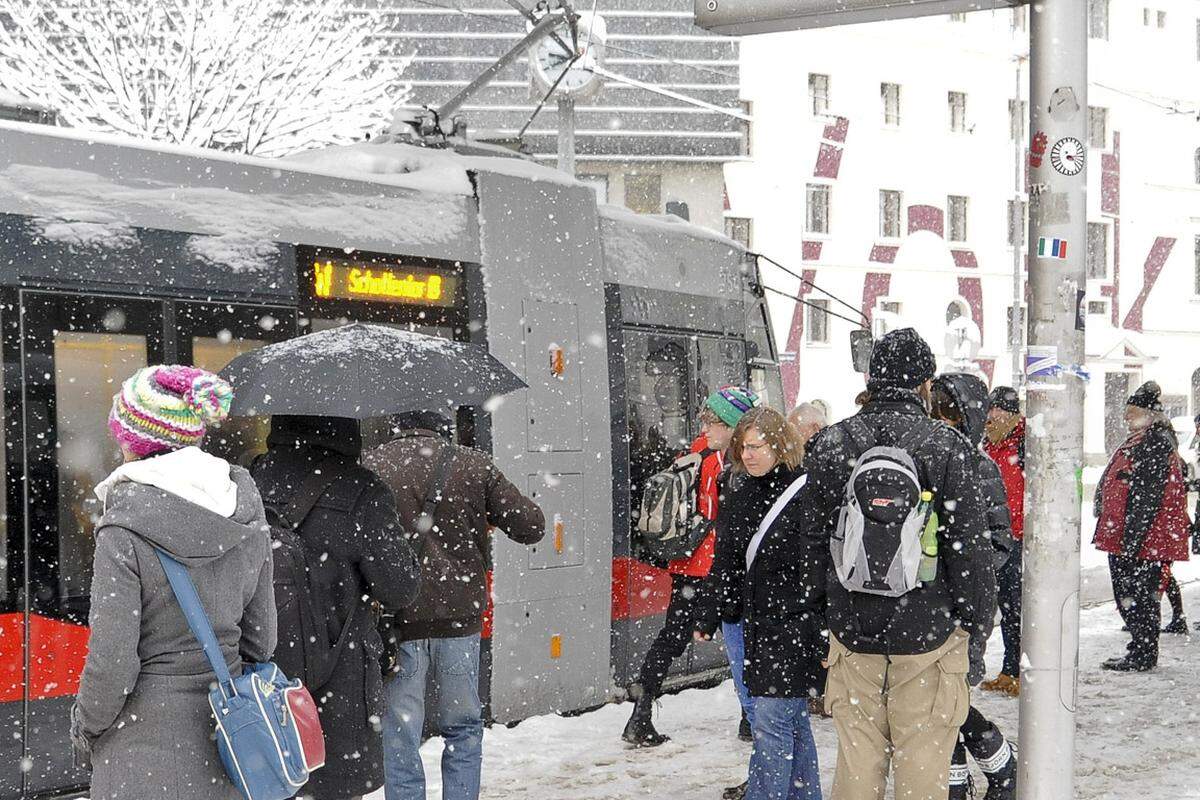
(1052, 248)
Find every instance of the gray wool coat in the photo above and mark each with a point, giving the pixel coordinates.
(142, 713)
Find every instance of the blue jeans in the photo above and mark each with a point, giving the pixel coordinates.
(784, 763)
(453, 667)
(735, 651)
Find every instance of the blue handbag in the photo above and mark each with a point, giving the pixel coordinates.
(268, 729)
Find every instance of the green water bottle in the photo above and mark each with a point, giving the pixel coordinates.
(927, 571)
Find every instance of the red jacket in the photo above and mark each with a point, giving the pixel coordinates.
(700, 562)
(1009, 455)
(1142, 499)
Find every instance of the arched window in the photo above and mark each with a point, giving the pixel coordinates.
(1198, 165)
(956, 309)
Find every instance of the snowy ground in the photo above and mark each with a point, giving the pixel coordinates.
(1136, 738)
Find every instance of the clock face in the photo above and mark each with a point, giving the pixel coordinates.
(551, 60)
(1067, 156)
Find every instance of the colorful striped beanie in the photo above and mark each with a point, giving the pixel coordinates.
(729, 403)
(164, 408)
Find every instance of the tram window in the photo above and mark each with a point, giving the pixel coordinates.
(719, 362)
(88, 371)
(238, 439)
(657, 382)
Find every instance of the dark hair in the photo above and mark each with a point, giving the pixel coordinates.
(943, 407)
(775, 429)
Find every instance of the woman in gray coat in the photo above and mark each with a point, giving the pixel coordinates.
(141, 718)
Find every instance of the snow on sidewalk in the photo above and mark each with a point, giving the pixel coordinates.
(1137, 736)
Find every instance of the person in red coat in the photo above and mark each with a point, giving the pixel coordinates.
(1143, 522)
(721, 412)
(1004, 442)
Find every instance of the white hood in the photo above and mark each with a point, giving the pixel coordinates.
(189, 473)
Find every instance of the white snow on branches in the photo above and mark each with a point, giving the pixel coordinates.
(264, 77)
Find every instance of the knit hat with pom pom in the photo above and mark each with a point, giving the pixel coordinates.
(163, 408)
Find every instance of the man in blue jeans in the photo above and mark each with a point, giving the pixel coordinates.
(451, 496)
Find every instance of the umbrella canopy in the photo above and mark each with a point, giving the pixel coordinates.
(360, 371)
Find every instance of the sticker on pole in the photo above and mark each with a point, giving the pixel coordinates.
(1052, 248)
(1041, 362)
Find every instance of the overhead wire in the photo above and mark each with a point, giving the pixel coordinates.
(813, 286)
(809, 303)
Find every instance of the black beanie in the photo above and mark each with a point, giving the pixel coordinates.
(1148, 396)
(1005, 398)
(902, 360)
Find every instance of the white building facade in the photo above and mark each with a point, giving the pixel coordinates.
(885, 162)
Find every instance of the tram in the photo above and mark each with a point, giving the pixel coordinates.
(116, 254)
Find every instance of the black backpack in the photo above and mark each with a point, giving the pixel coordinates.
(304, 650)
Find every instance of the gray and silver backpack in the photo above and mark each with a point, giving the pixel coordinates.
(876, 546)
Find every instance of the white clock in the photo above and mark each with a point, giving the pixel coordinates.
(548, 60)
(1067, 156)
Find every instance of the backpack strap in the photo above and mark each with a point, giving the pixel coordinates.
(861, 437)
(197, 620)
(436, 490)
(308, 495)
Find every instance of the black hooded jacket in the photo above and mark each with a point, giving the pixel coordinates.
(964, 593)
(970, 395)
(368, 555)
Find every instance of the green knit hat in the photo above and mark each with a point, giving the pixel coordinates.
(729, 403)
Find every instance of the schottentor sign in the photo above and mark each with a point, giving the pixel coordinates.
(739, 17)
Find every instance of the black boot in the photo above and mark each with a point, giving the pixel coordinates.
(744, 732)
(1178, 625)
(640, 732)
(960, 776)
(736, 792)
(1000, 768)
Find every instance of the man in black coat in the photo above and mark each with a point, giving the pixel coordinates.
(897, 666)
(362, 552)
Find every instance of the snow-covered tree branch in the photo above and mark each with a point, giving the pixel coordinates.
(265, 77)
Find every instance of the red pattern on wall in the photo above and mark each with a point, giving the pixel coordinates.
(791, 369)
(965, 259)
(926, 218)
(884, 254)
(837, 130)
(875, 285)
(971, 290)
(1159, 252)
(829, 161)
(810, 251)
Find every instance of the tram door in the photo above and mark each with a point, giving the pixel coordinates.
(65, 361)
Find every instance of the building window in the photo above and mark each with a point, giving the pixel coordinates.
(643, 192)
(1175, 405)
(818, 322)
(1198, 40)
(1097, 250)
(1018, 112)
(1098, 19)
(958, 16)
(738, 229)
(889, 213)
(1197, 261)
(1197, 165)
(890, 93)
(1097, 308)
(1016, 325)
(958, 111)
(1016, 223)
(1162, 20)
(1098, 127)
(955, 310)
(1020, 18)
(818, 209)
(818, 92)
(956, 208)
(598, 183)
(1147, 14)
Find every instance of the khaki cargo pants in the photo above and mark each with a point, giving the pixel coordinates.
(902, 711)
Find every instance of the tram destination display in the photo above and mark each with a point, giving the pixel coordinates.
(381, 282)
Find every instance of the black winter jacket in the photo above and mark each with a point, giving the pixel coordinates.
(355, 523)
(742, 503)
(782, 613)
(964, 593)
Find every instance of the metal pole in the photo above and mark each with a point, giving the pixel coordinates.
(566, 135)
(1018, 227)
(1057, 244)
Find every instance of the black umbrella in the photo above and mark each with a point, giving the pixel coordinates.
(360, 371)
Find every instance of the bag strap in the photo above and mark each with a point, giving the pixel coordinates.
(335, 655)
(861, 437)
(772, 514)
(436, 489)
(197, 620)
